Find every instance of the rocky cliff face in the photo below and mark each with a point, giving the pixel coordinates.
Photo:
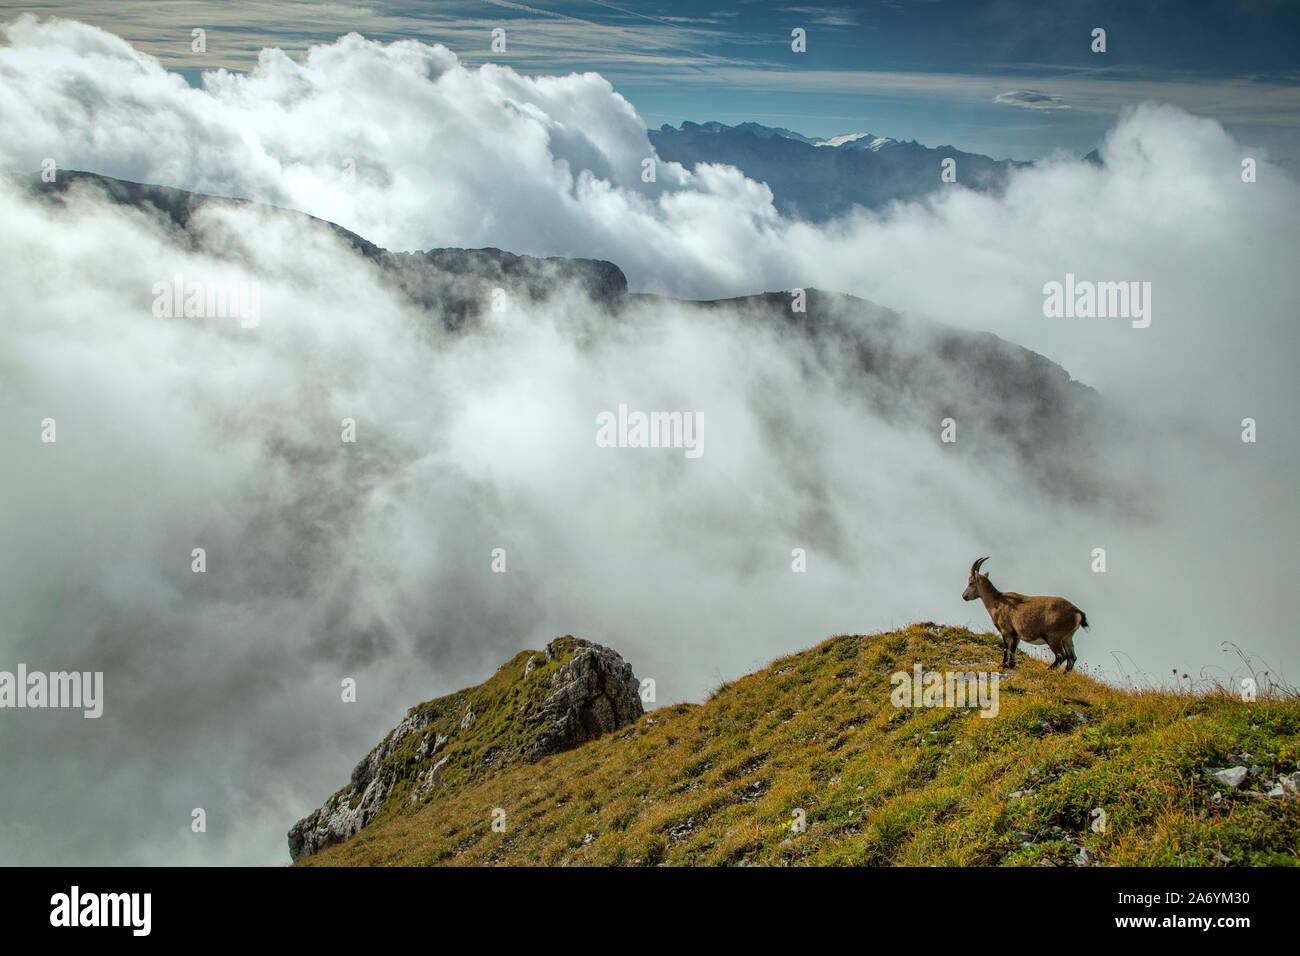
(595, 692)
(537, 704)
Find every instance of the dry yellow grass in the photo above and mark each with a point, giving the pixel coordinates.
(719, 783)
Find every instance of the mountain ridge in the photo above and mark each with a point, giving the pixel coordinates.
(812, 760)
(910, 372)
(818, 180)
(455, 281)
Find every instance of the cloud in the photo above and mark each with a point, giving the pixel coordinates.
(373, 561)
(538, 39)
(1032, 100)
(827, 16)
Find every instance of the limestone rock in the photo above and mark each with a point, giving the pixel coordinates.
(591, 692)
(349, 810)
(595, 693)
(1232, 777)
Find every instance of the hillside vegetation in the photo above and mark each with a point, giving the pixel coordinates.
(718, 783)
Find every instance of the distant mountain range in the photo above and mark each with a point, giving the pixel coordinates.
(851, 140)
(819, 179)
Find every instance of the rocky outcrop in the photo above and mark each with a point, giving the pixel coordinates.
(595, 693)
(352, 808)
(574, 693)
(1231, 777)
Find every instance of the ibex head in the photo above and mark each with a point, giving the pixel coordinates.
(971, 592)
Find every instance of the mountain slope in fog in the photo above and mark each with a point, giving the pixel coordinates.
(451, 282)
(1001, 399)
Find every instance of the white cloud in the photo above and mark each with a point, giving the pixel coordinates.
(1032, 100)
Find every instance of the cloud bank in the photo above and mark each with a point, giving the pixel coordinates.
(449, 156)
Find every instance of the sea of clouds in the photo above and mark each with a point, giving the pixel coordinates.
(372, 561)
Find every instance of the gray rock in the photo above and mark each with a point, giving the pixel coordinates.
(1232, 777)
(428, 750)
(352, 808)
(431, 780)
(1286, 786)
(336, 820)
(1084, 857)
(595, 693)
(435, 774)
(592, 693)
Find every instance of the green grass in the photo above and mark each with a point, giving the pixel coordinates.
(717, 783)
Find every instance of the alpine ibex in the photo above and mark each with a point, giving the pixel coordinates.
(1034, 620)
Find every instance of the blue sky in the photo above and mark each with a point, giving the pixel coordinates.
(1009, 79)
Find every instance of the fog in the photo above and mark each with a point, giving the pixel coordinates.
(372, 560)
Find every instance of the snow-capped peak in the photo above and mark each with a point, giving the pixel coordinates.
(856, 141)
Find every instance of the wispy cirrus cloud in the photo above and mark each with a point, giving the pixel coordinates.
(1032, 100)
(539, 39)
(827, 16)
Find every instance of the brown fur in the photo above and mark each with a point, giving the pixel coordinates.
(1033, 619)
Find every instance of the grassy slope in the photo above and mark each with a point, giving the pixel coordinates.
(716, 783)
